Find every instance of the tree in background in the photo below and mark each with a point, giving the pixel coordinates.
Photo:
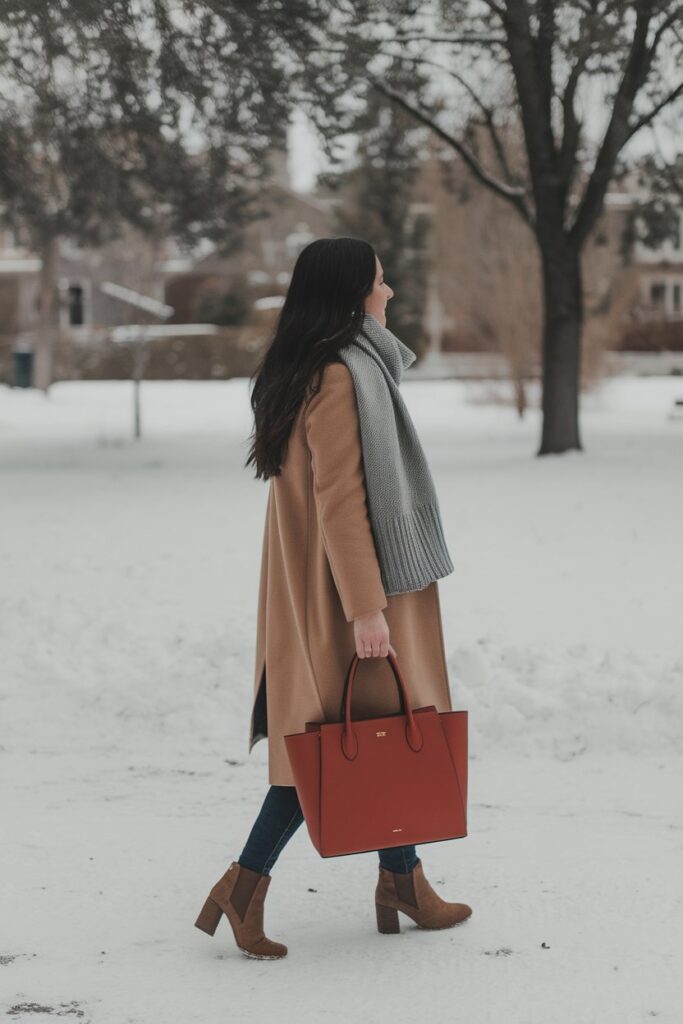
(490, 263)
(657, 215)
(376, 202)
(156, 113)
(543, 64)
(496, 276)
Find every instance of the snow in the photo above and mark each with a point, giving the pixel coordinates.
(129, 577)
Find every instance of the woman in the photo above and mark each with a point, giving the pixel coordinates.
(333, 580)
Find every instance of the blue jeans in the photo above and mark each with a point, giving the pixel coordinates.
(278, 820)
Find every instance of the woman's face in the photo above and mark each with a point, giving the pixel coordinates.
(376, 301)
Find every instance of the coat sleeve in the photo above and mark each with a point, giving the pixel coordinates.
(333, 435)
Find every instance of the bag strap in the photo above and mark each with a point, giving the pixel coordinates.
(351, 675)
(349, 740)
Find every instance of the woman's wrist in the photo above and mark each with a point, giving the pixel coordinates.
(367, 615)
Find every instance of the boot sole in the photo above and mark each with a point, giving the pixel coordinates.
(261, 956)
(388, 921)
(442, 927)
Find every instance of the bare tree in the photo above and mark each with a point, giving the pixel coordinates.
(582, 77)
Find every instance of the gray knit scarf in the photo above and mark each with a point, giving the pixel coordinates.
(402, 502)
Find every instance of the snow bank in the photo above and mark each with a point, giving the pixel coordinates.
(128, 586)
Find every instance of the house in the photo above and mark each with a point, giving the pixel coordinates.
(131, 261)
(83, 311)
(262, 265)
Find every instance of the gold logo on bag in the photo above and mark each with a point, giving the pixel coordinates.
(380, 734)
(397, 830)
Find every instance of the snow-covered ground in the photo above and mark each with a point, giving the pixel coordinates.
(129, 577)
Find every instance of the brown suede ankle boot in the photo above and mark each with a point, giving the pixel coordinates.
(240, 895)
(412, 894)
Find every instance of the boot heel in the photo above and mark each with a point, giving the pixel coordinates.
(209, 917)
(387, 919)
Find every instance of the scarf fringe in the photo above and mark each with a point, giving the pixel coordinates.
(412, 549)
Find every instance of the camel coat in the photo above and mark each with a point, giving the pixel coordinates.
(319, 571)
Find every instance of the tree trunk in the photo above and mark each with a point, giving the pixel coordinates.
(563, 322)
(47, 302)
(520, 395)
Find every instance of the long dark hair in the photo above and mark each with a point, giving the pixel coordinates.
(321, 313)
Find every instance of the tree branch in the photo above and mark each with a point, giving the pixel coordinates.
(543, 50)
(571, 126)
(512, 193)
(488, 113)
(669, 22)
(650, 116)
(636, 68)
(496, 140)
(459, 40)
(532, 95)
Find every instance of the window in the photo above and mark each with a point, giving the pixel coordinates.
(658, 293)
(676, 296)
(75, 305)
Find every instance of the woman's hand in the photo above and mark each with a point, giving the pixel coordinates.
(371, 634)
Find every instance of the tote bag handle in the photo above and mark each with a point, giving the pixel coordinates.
(349, 740)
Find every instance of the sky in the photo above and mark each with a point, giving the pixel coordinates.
(306, 159)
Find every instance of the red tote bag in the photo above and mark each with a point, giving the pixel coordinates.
(378, 782)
